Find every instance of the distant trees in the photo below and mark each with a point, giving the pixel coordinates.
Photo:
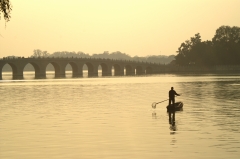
(40, 53)
(5, 8)
(114, 55)
(224, 49)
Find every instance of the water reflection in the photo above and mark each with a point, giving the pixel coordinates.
(173, 128)
(154, 115)
(171, 122)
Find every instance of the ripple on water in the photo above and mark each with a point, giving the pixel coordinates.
(113, 118)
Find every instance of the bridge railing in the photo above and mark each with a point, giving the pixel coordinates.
(83, 58)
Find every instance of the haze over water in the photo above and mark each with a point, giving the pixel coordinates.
(112, 117)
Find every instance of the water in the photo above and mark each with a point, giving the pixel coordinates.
(112, 117)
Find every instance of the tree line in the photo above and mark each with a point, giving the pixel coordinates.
(160, 59)
(223, 49)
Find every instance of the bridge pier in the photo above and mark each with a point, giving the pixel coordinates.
(40, 72)
(93, 73)
(17, 69)
(119, 73)
(40, 76)
(77, 69)
(17, 76)
(1, 67)
(60, 75)
(118, 70)
(130, 72)
(59, 69)
(108, 73)
(140, 73)
(75, 75)
(139, 70)
(0, 73)
(77, 72)
(92, 70)
(106, 69)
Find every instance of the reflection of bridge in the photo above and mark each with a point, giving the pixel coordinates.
(121, 67)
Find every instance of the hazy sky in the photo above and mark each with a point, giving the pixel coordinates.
(134, 27)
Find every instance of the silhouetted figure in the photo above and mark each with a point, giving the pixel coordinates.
(171, 110)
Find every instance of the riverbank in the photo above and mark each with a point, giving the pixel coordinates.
(202, 69)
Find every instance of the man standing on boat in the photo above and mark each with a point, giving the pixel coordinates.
(171, 108)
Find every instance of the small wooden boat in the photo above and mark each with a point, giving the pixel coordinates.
(178, 106)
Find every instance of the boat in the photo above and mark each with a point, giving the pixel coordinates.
(178, 106)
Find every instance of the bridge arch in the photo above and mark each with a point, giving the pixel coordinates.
(106, 71)
(117, 70)
(14, 70)
(149, 70)
(139, 70)
(56, 67)
(74, 68)
(59, 64)
(29, 66)
(8, 68)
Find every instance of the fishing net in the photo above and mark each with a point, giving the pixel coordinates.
(154, 104)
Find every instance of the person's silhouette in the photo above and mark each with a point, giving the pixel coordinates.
(171, 108)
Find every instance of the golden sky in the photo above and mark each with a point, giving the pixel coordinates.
(134, 27)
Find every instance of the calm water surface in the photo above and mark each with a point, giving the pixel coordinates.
(112, 117)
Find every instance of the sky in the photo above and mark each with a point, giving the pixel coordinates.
(134, 27)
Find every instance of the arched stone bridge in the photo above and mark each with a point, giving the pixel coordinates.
(59, 64)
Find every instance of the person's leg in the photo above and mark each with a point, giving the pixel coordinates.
(169, 110)
(169, 115)
(173, 118)
(173, 101)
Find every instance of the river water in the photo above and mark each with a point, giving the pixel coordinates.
(112, 117)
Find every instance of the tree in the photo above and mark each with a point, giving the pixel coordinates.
(224, 49)
(117, 55)
(185, 53)
(203, 53)
(227, 44)
(5, 8)
(226, 34)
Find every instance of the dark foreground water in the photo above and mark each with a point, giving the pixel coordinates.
(111, 118)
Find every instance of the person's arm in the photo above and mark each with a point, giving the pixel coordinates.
(177, 94)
